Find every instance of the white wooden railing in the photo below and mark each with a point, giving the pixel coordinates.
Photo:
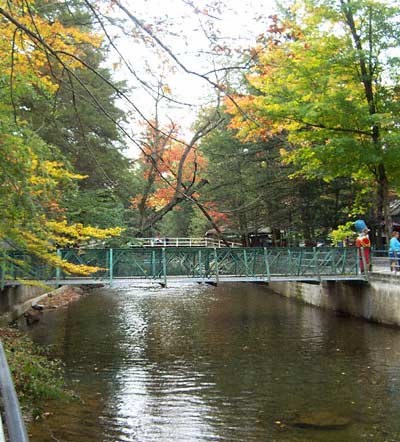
(183, 242)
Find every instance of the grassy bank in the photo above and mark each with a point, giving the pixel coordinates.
(36, 377)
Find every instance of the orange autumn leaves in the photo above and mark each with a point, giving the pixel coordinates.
(170, 169)
(163, 165)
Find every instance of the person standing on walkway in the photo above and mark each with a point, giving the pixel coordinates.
(394, 252)
(363, 243)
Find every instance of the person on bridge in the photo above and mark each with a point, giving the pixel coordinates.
(394, 252)
(363, 243)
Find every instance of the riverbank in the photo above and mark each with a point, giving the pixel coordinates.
(55, 299)
(15, 301)
(36, 377)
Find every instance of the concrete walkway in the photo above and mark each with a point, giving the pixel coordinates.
(381, 265)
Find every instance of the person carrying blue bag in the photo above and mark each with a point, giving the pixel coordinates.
(394, 252)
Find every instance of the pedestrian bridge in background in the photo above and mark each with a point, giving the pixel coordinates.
(190, 264)
(183, 242)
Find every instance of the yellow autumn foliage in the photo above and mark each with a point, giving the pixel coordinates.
(34, 52)
(69, 267)
(34, 49)
(38, 223)
(44, 243)
(79, 232)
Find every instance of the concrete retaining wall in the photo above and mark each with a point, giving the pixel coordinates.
(377, 301)
(15, 301)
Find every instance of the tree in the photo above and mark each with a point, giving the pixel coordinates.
(252, 186)
(34, 180)
(63, 64)
(172, 171)
(34, 50)
(31, 193)
(326, 74)
(90, 140)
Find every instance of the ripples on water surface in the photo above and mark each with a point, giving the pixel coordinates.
(227, 363)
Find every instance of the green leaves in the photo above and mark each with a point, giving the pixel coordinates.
(36, 378)
(329, 82)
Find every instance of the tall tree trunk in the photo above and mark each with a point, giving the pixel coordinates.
(383, 208)
(367, 71)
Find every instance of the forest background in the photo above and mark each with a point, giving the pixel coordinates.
(294, 131)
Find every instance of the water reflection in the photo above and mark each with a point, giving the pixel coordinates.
(229, 363)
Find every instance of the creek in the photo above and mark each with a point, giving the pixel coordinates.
(230, 363)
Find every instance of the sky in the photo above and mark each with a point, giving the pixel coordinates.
(185, 32)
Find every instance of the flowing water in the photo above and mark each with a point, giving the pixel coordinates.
(227, 363)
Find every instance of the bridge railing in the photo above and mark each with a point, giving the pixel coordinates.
(205, 262)
(314, 261)
(184, 242)
(249, 262)
(15, 426)
(201, 263)
(19, 265)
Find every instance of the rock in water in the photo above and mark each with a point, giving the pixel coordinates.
(33, 316)
(326, 420)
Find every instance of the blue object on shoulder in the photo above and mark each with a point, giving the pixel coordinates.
(360, 225)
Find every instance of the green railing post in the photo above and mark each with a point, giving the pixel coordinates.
(300, 263)
(164, 264)
(333, 261)
(255, 261)
(344, 254)
(216, 265)
(316, 258)
(267, 264)
(358, 270)
(110, 265)
(58, 268)
(289, 266)
(200, 266)
(235, 260)
(245, 262)
(153, 264)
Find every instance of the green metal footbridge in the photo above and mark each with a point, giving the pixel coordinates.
(163, 265)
